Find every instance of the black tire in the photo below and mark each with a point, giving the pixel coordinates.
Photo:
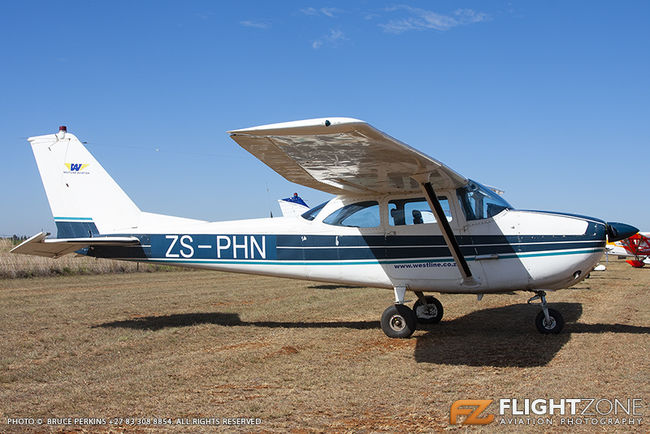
(431, 313)
(556, 325)
(398, 321)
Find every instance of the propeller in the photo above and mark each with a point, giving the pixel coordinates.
(619, 231)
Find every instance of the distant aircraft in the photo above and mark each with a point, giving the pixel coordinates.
(293, 206)
(637, 246)
(466, 239)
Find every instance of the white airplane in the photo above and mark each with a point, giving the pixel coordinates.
(473, 243)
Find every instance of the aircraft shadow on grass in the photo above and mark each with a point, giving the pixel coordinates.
(227, 319)
(505, 337)
(502, 336)
(333, 287)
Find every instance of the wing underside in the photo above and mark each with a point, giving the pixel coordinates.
(344, 156)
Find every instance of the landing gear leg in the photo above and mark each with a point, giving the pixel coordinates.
(398, 320)
(548, 320)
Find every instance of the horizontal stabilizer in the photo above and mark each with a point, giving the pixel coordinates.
(40, 245)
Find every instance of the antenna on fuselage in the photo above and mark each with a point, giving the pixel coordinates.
(268, 200)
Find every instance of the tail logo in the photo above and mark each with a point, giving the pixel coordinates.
(75, 168)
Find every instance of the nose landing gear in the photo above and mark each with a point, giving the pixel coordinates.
(548, 320)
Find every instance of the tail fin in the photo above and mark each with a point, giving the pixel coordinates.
(292, 206)
(84, 199)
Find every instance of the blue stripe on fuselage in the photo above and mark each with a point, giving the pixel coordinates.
(361, 262)
(295, 248)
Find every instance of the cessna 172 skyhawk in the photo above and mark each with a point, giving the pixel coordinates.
(372, 233)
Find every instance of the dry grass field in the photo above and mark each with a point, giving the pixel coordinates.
(305, 356)
(20, 266)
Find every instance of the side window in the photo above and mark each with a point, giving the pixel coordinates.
(358, 215)
(414, 211)
(312, 213)
(479, 202)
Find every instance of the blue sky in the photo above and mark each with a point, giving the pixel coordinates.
(547, 100)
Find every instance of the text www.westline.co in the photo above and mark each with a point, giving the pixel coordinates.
(426, 265)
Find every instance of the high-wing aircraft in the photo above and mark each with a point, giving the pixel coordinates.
(637, 246)
(400, 220)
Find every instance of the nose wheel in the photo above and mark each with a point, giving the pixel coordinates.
(548, 321)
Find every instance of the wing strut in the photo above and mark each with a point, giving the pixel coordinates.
(448, 234)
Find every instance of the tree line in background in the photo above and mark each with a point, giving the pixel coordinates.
(16, 239)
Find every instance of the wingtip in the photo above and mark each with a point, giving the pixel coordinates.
(301, 124)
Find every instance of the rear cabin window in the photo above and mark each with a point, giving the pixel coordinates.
(312, 213)
(414, 211)
(357, 215)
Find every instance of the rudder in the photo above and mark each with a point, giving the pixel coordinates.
(84, 199)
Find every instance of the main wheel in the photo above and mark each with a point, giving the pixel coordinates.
(553, 326)
(398, 321)
(430, 313)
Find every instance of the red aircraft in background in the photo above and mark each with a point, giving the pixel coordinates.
(637, 246)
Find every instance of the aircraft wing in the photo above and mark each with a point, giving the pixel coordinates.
(39, 245)
(344, 156)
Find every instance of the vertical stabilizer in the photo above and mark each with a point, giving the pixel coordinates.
(84, 199)
(293, 206)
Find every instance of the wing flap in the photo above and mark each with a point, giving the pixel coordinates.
(343, 156)
(40, 245)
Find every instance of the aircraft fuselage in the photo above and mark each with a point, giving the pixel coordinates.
(513, 250)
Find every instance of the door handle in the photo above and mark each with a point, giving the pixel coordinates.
(485, 257)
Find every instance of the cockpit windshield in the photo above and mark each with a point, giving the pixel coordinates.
(479, 202)
(312, 213)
